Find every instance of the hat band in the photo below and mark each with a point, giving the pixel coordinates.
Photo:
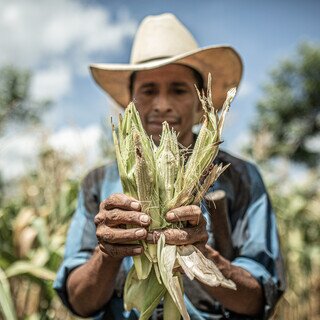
(153, 59)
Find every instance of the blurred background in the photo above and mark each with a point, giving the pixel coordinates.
(54, 127)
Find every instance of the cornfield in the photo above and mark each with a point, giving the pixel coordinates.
(35, 213)
(34, 218)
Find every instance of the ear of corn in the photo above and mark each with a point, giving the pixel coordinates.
(143, 265)
(168, 163)
(170, 310)
(159, 178)
(144, 295)
(167, 256)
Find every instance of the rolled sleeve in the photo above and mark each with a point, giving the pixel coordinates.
(66, 267)
(260, 252)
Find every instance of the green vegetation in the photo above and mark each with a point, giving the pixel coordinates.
(286, 133)
(289, 113)
(16, 104)
(35, 212)
(33, 226)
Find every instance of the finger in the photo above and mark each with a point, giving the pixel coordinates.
(214, 254)
(191, 213)
(120, 201)
(100, 217)
(121, 251)
(202, 247)
(116, 217)
(106, 234)
(186, 235)
(182, 236)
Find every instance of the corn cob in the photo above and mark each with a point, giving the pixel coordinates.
(156, 176)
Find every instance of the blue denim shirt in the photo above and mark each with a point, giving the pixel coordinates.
(253, 224)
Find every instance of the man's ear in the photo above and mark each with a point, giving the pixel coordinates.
(131, 84)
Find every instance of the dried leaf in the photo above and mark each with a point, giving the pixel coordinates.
(167, 258)
(196, 265)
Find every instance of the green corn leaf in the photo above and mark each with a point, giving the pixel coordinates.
(144, 295)
(6, 302)
(167, 168)
(170, 310)
(142, 265)
(167, 258)
(146, 182)
(40, 225)
(25, 267)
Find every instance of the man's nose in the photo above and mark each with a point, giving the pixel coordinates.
(162, 104)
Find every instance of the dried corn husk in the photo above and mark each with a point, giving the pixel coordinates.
(157, 177)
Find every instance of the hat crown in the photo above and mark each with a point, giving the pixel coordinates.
(161, 36)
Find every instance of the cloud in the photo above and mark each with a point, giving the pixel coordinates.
(51, 83)
(19, 152)
(235, 143)
(313, 143)
(77, 141)
(36, 32)
(56, 40)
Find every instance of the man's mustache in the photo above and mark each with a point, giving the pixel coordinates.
(160, 120)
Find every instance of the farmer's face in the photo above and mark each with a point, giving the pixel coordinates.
(167, 94)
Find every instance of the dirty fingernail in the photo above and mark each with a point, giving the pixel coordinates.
(144, 218)
(170, 216)
(140, 232)
(153, 237)
(137, 250)
(135, 205)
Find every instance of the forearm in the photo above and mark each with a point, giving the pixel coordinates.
(248, 299)
(91, 285)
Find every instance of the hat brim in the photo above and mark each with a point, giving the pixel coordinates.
(223, 62)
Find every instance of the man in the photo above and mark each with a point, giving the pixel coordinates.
(165, 64)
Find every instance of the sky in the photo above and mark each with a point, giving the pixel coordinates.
(57, 40)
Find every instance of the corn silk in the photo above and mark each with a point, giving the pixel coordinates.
(164, 177)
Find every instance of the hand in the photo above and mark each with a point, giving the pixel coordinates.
(115, 213)
(194, 233)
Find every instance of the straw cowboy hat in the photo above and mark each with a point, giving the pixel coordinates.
(162, 40)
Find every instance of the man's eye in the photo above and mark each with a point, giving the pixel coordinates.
(148, 92)
(180, 91)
